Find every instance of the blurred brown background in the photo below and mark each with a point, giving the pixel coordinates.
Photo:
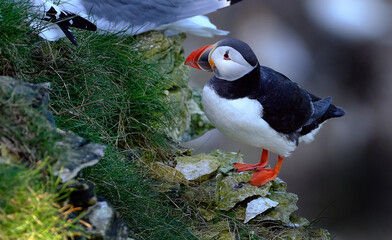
(338, 48)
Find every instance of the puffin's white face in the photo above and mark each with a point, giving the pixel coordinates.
(229, 63)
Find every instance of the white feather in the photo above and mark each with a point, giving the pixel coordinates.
(232, 69)
(51, 32)
(198, 25)
(310, 136)
(241, 119)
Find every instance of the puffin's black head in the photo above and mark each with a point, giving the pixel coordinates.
(243, 48)
(230, 59)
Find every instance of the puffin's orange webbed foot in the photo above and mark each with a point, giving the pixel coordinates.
(263, 176)
(240, 167)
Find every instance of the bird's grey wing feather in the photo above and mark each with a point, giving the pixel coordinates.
(158, 12)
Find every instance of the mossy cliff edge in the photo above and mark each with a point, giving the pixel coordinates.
(40, 197)
(124, 176)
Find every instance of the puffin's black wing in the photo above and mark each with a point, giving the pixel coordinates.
(286, 106)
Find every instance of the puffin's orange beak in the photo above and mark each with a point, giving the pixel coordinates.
(199, 59)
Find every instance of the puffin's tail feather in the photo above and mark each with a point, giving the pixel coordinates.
(331, 112)
(338, 112)
(319, 109)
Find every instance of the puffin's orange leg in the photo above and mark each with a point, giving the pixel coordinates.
(240, 167)
(263, 176)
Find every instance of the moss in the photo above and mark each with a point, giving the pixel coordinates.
(220, 230)
(199, 123)
(198, 167)
(28, 206)
(24, 129)
(28, 134)
(166, 173)
(148, 214)
(167, 56)
(234, 189)
(227, 199)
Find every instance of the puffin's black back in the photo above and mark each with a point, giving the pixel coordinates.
(286, 105)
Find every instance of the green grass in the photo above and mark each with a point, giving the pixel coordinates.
(104, 87)
(101, 86)
(149, 214)
(17, 38)
(104, 91)
(28, 206)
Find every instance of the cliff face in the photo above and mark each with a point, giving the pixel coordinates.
(28, 136)
(226, 201)
(100, 157)
(167, 56)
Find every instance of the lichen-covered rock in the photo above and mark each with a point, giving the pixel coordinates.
(235, 188)
(227, 159)
(28, 135)
(203, 192)
(220, 230)
(164, 172)
(32, 95)
(77, 153)
(199, 167)
(296, 221)
(258, 206)
(167, 54)
(223, 196)
(287, 205)
(28, 131)
(178, 98)
(105, 223)
(199, 122)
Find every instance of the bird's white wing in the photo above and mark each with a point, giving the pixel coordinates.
(155, 11)
(137, 16)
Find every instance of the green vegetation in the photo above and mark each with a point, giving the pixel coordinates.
(24, 129)
(17, 38)
(149, 214)
(102, 86)
(104, 91)
(28, 205)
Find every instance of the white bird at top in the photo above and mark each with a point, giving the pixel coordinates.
(131, 16)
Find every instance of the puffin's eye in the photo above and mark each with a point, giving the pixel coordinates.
(226, 56)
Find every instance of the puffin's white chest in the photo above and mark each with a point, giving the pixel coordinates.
(241, 119)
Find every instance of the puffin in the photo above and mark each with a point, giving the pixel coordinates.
(130, 17)
(257, 105)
